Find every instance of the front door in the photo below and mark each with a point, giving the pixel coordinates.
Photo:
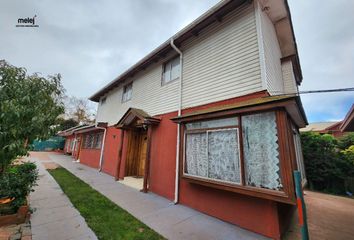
(136, 154)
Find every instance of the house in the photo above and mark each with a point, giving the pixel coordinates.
(332, 128)
(336, 129)
(210, 118)
(348, 122)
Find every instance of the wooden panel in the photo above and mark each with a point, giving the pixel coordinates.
(136, 154)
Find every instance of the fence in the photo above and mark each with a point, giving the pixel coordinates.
(53, 143)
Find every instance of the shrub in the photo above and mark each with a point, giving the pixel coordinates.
(346, 141)
(326, 167)
(17, 182)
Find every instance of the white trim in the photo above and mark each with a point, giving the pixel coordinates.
(257, 13)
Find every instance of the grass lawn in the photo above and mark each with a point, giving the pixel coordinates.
(104, 217)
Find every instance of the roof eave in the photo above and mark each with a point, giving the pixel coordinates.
(212, 15)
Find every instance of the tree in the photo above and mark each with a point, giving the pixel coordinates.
(64, 124)
(29, 107)
(326, 167)
(79, 109)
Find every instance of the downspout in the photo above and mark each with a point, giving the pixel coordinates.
(102, 148)
(74, 147)
(179, 114)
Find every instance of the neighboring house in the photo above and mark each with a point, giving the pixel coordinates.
(200, 121)
(332, 128)
(336, 129)
(348, 121)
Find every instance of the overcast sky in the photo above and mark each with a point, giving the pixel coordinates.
(91, 42)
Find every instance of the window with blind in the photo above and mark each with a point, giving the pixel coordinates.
(212, 151)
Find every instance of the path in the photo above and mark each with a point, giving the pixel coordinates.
(54, 216)
(171, 221)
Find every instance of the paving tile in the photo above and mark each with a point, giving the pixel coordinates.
(54, 216)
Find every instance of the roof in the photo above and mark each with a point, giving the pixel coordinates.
(75, 129)
(318, 126)
(212, 15)
(291, 103)
(348, 121)
(70, 131)
(133, 114)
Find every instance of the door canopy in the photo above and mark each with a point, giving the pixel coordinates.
(136, 118)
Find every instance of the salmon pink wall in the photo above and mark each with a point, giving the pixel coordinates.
(255, 214)
(90, 157)
(163, 157)
(110, 153)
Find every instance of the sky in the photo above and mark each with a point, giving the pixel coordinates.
(91, 42)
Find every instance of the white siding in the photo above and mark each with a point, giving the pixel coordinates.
(272, 55)
(147, 94)
(223, 61)
(290, 86)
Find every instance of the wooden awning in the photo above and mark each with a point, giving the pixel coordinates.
(136, 118)
(291, 104)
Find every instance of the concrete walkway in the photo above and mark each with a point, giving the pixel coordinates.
(54, 216)
(171, 221)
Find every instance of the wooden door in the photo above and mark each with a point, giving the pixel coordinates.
(136, 154)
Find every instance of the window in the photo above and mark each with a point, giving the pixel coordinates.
(171, 70)
(298, 154)
(93, 140)
(89, 140)
(98, 140)
(212, 151)
(127, 92)
(261, 151)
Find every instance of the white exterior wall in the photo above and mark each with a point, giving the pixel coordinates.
(147, 94)
(223, 61)
(273, 78)
(290, 86)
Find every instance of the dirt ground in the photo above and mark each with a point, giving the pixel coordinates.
(329, 217)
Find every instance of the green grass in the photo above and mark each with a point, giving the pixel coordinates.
(104, 217)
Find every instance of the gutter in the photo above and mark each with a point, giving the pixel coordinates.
(102, 147)
(179, 114)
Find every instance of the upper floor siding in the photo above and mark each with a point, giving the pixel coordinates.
(231, 58)
(223, 62)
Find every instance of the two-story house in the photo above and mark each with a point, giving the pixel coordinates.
(210, 118)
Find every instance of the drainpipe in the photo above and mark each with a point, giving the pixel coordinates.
(102, 147)
(74, 147)
(179, 114)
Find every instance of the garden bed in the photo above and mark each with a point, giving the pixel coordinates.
(21, 216)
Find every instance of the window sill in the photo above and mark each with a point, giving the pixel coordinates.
(167, 83)
(274, 195)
